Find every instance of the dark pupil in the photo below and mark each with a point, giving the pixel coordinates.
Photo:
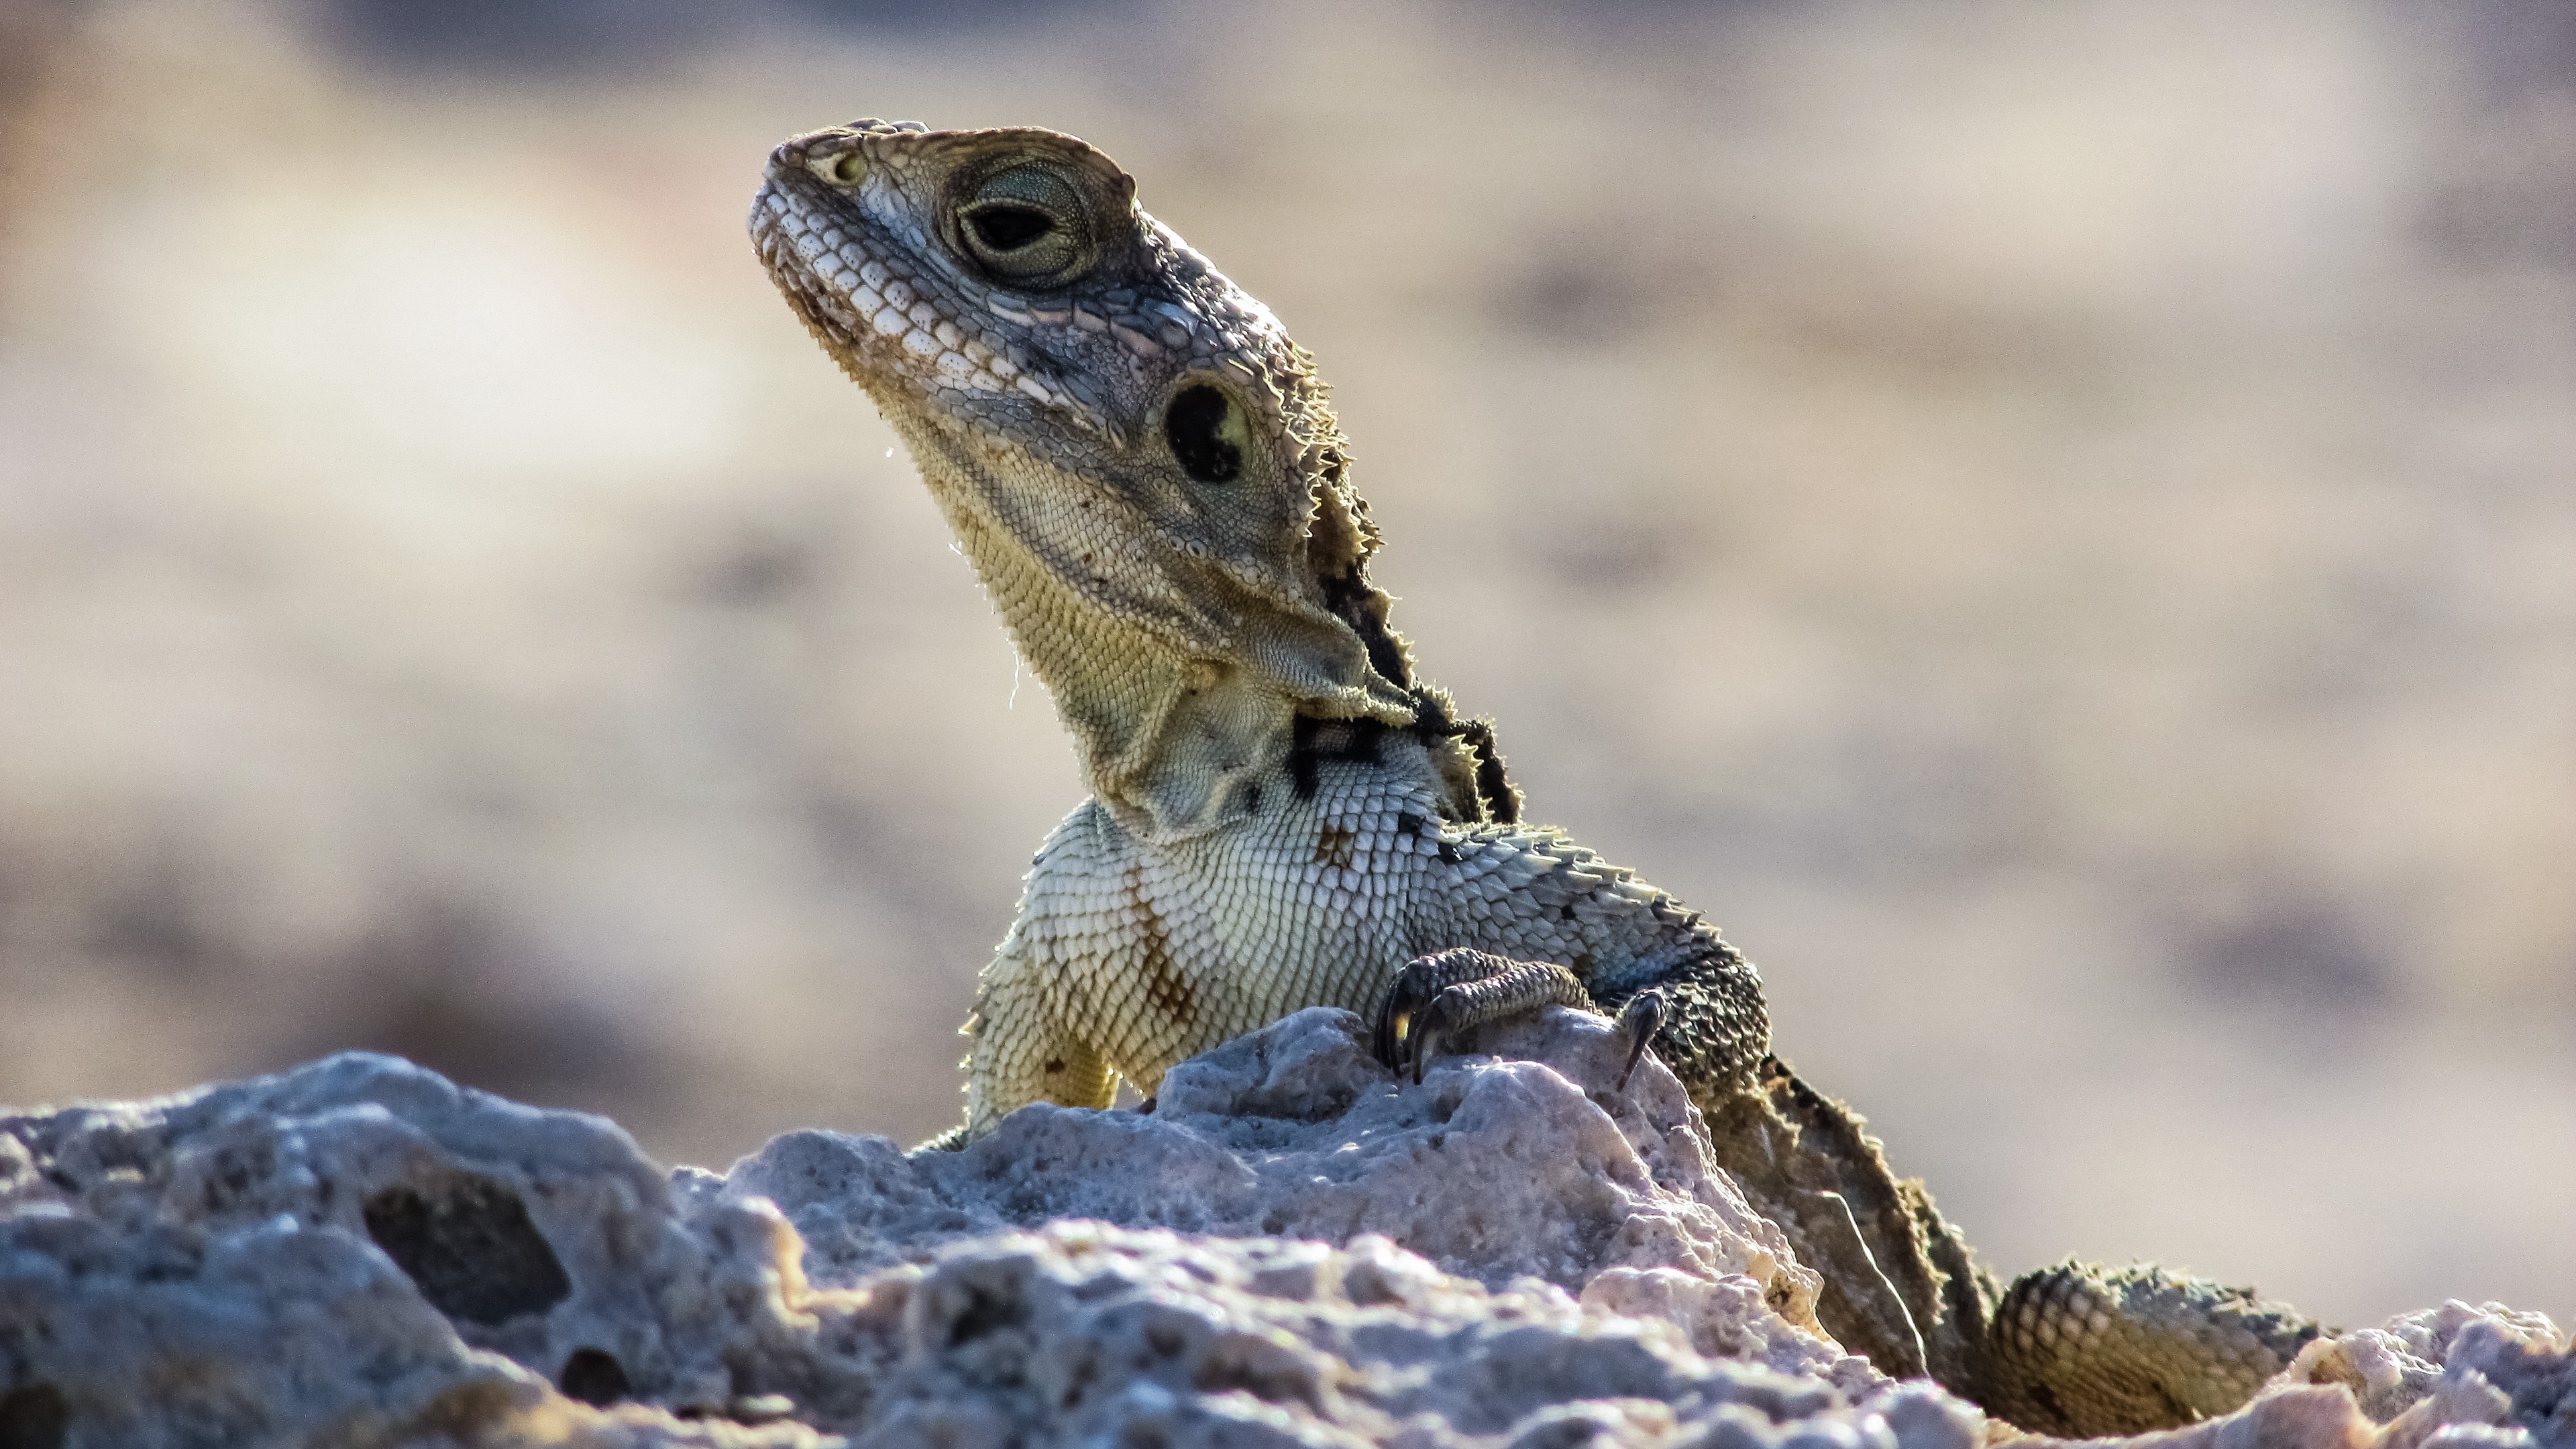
(1190, 426)
(1009, 228)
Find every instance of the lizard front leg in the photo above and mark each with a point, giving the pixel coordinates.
(1436, 997)
(1023, 1053)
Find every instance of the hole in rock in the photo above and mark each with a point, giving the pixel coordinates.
(34, 1417)
(467, 1244)
(595, 1377)
(985, 1312)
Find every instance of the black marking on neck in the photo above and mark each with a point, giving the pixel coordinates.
(1361, 605)
(1435, 720)
(1494, 785)
(1358, 603)
(1311, 741)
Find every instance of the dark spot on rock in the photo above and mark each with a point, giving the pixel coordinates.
(35, 1417)
(985, 1313)
(1146, 1107)
(1250, 1364)
(466, 1242)
(595, 1377)
(1079, 1378)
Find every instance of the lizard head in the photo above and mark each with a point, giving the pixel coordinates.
(1138, 461)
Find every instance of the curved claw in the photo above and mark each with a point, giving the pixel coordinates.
(1424, 1006)
(1420, 1047)
(1430, 1025)
(1414, 987)
(1436, 997)
(1639, 1019)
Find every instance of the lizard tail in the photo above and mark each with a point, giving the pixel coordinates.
(2073, 1350)
(2076, 1350)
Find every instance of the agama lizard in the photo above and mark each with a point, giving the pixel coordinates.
(1144, 472)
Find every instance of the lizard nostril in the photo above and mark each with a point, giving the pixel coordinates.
(845, 168)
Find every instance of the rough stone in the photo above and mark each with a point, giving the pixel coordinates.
(356, 1252)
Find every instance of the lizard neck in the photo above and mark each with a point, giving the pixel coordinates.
(1183, 683)
(1171, 744)
(1172, 739)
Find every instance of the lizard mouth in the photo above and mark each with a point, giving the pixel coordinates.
(894, 324)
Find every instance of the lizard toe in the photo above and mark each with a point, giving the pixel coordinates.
(1640, 1017)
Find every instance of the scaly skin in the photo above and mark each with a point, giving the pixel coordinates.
(1142, 468)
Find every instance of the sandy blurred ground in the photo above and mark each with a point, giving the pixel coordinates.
(2057, 524)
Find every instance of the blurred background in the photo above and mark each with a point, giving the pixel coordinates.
(2055, 524)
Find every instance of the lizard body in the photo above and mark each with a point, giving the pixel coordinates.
(1141, 467)
(1129, 956)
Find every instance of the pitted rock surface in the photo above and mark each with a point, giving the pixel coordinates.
(357, 1252)
(1492, 1169)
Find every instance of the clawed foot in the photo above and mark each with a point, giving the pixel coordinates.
(1421, 1008)
(1436, 997)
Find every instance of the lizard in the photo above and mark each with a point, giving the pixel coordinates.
(1146, 475)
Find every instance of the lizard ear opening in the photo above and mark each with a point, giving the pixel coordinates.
(1207, 433)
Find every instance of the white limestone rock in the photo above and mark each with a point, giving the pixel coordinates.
(356, 1252)
(1526, 1166)
(2451, 1375)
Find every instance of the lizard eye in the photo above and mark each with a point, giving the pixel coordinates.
(1207, 433)
(1026, 226)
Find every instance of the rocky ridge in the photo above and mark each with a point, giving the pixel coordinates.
(357, 1252)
